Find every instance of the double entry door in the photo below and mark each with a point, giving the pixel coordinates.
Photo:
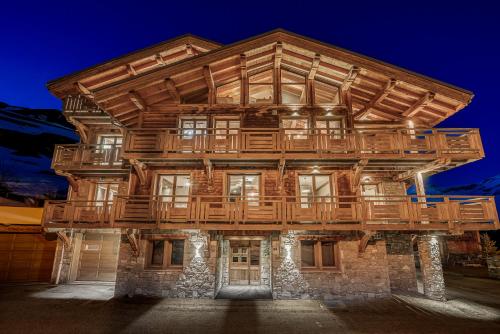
(244, 262)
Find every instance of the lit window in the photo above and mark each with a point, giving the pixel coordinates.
(174, 189)
(229, 93)
(293, 88)
(260, 88)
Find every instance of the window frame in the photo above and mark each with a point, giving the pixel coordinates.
(318, 255)
(333, 183)
(167, 254)
(227, 184)
(176, 174)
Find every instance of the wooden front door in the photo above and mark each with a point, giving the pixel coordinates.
(98, 257)
(244, 262)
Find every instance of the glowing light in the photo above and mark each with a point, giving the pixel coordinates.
(198, 243)
(329, 114)
(315, 170)
(288, 252)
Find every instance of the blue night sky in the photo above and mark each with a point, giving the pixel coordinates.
(455, 43)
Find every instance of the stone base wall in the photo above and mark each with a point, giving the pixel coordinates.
(401, 262)
(494, 266)
(195, 280)
(359, 275)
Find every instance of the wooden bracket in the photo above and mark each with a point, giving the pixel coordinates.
(389, 86)
(134, 243)
(73, 181)
(244, 80)
(363, 242)
(140, 169)
(281, 170)
(209, 169)
(83, 90)
(64, 238)
(358, 169)
(172, 90)
(207, 73)
(433, 165)
(82, 129)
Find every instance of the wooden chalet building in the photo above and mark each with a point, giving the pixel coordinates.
(278, 161)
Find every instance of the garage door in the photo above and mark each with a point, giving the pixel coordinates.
(98, 257)
(26, 258)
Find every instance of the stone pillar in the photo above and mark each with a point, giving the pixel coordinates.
(430, 265)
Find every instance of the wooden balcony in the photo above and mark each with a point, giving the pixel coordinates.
(319, 144)
(84, 159)
(413, 213)
(82, 109)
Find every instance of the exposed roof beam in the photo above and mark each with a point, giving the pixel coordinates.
(131, 70)
(377, 98)
(137, 100)
(207, 73)
(419, 105)
(349, 79)
(189, 49)
(314, 67)
(159, 59)
(278, 55)
(429, 167)
(83, 90)
(172, 90)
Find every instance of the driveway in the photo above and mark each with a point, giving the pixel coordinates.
(473, 307)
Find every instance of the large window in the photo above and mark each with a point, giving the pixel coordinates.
(260, 88)
(315, 188)
(109, 146)
(105, 192)
(246, 187)
(293, 88)
(165, 253)
(325, 93)
(174, 189)
(318, 254)
(193, 126)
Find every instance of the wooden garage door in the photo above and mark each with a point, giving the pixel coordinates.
(26, 258)
(98, 257)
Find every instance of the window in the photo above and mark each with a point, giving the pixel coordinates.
(193, 126)
(245, 187)
(166, 253)
(295, 127)
(229, 93)
(330, 127)
(174, 189)
(105, 192)
(260, 88)
(318, 254)
(108, 148)
(293, 88)
(314, 189)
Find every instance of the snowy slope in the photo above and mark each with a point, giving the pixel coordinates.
(27, 139)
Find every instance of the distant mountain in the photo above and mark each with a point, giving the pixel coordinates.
(487, 187)
(27, 139)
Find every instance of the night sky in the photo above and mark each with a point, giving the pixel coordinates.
(455, 43)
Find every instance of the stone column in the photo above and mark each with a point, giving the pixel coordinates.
(430, 265)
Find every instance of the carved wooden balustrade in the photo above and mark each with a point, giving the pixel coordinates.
(87, 157)
(446, 213)
(315, 143)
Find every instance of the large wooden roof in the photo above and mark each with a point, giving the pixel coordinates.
(187, 69)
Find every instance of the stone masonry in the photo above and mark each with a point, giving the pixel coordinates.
(401, 262)
(430, 265)
(195, 280)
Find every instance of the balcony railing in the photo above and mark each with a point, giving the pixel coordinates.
(278, 213)
(87, 157)
(83, 106)
(339, 143)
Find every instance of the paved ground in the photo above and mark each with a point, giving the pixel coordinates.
(474, 307)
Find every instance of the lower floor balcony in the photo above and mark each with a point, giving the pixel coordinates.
(280, 213)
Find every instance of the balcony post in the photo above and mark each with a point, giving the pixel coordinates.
(419, 185)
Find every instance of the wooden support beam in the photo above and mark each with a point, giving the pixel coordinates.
(140, 169)
(189, 49)
(64, 238)
(134, 243)
(358, 170)
(83, 90)
(419, 105)
(244, 80)
(281, 171)
(159, 59)
(137, 100)
(207, 73)
(172, 90)
(82, 129)
(73, 182)
(376, 99)
(349, 79)
(131, 70)
(310, 80)
(429, 167)
(314, 67)
(278, 56)
(363, 242)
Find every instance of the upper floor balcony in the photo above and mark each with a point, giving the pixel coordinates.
(412, 213)
(458, 145)
(86, 158)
